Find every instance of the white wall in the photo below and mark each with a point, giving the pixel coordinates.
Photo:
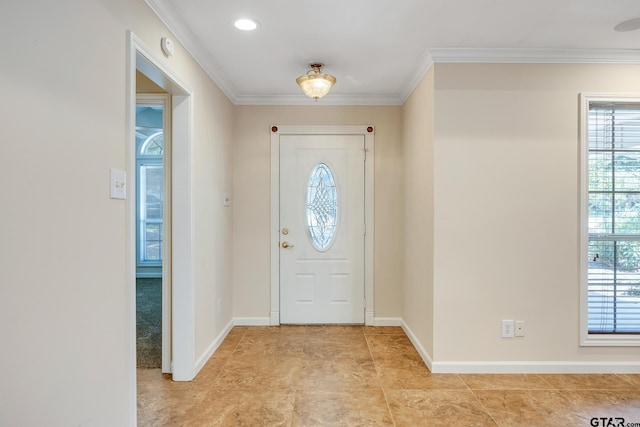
(251, 194)
(212, 165)
(506, 209)
(505, 228)
(64, 292)
(417, 307)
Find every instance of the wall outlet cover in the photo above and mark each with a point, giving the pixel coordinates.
(519, 330)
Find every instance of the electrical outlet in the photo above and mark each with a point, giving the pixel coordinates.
(519, 328)
(507, 329)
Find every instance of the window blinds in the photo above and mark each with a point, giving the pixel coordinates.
(614, 218)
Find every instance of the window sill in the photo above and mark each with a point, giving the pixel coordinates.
(598, 340)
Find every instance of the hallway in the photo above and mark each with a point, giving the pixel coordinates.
(367, 376)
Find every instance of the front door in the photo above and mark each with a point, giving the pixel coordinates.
(322, 227)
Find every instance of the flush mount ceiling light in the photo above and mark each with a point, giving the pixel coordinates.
(314, 84)
(246, 24)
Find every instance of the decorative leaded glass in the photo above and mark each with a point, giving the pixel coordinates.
(322, 206)
(153, 146)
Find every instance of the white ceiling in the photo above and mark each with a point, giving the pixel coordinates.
(379, 49)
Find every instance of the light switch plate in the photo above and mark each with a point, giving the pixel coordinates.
(227, 199)
(507, 328)
(118, 184)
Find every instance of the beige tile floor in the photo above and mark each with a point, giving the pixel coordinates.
(367, 376)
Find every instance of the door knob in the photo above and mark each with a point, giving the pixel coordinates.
(286, 245)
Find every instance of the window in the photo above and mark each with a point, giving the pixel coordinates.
(150, 212)
(322, 206)
(611, 220)
(149, 165)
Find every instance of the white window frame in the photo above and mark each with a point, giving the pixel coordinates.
(164, 101)
(141, 239)
(587, 339)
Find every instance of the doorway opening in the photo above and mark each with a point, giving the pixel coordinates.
(281, 249)
(177, 240)
(153, 223)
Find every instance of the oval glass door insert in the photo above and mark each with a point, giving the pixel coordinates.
(322, 206)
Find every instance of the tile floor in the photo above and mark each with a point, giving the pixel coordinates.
(368, 376)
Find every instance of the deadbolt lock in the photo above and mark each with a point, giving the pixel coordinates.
(285, 231)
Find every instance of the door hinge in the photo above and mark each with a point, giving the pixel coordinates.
(365, 229)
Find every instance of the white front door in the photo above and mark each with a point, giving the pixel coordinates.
(322, 227)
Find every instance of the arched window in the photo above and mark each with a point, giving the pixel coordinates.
(153, 145)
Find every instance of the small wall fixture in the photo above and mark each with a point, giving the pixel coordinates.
(314, 84)
(166, 45)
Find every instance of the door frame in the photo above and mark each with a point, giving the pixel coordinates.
(368, 133)
(141, 58)
(163, 99)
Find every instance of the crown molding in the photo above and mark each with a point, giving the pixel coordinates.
(168, 15)
(425, 64)
(330, 99)
(537, 56)
(518, 56)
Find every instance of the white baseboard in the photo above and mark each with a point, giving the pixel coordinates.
(252, 321)
(369, 318)
(202, 360)
(426, 357)
(520, 367)
(534, 367)
(387, 321)
(457, 367)
(275, 318)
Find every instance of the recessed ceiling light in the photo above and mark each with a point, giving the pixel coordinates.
(246, 24)
(628, 25)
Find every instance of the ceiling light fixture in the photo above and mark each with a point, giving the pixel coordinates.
(314, 84)
(245, 24)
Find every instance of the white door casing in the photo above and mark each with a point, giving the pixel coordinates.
(322, 281)
(310, 284)
(141, 58)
